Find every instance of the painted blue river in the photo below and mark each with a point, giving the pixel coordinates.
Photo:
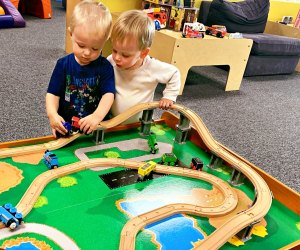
(169, 230)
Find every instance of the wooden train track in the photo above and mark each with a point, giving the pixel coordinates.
(218, 238)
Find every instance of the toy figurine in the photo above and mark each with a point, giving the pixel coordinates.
(152, 143)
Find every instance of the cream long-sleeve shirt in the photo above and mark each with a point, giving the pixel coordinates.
(138, 85)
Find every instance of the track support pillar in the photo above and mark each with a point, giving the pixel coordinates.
(215, 162)
(237, 178)
(182, 129)
(245, 234)
(99, 136)
(146, 121)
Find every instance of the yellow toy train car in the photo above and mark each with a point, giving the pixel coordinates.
(146, 169)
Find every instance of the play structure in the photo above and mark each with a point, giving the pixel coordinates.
(226, 201)
(10, 11)
(38, 8)
(11, 17)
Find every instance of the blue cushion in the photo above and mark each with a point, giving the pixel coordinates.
(272, 45)
(249, 16)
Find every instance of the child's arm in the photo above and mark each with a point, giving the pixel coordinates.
(89, 123)
(168, 74)
(52, 103)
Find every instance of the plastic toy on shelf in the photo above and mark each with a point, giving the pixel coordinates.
(216, 30)
(159, 16)
(193, 30)
(235, 35)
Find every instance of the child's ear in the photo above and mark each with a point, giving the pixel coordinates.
(69, 30)
(145, 52)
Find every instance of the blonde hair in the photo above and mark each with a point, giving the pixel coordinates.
(134, 23)
(96, 15)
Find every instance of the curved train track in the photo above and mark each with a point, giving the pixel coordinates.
(215, 240)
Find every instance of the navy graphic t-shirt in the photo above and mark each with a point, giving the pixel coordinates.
(80, 88)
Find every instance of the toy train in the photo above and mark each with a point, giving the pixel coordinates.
(145, 170)
(72, 127)
(152, 143)
(10, 217)
(169, 159)
(50, 160)
(196, 164)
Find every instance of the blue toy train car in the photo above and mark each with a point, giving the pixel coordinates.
(50, 159)
(72, 128)
(10, 217)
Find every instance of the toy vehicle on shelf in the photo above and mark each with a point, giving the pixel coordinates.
(152, 143)
(157, 24)
(50, 160)
(235, 35)
(158, 14)
(216, 30)
(169, 159)
(10, 217)
(145, 170)
(193, 30)
(196, 163)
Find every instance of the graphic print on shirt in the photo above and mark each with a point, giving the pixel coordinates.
(82, 95)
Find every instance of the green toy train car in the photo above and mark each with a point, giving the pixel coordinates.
(169, 159)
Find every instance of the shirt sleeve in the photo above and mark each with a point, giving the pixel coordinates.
(108, 78)
(169, 75)
(56, 83)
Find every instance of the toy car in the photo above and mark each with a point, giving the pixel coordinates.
(160, 16)
(193, 30)
(216, 30)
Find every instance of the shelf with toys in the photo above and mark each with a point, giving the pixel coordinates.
(176, 12)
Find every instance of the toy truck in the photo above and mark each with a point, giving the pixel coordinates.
(216, 30)
(193, 30)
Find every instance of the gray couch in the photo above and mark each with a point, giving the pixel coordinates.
(270, 54)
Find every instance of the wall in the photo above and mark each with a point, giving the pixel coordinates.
(121, 5)
(278, 9)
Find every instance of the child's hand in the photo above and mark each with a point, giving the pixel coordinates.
(56, 123)
(165, 103)
(89, 123)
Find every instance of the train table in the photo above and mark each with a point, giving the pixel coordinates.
(96, 198)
